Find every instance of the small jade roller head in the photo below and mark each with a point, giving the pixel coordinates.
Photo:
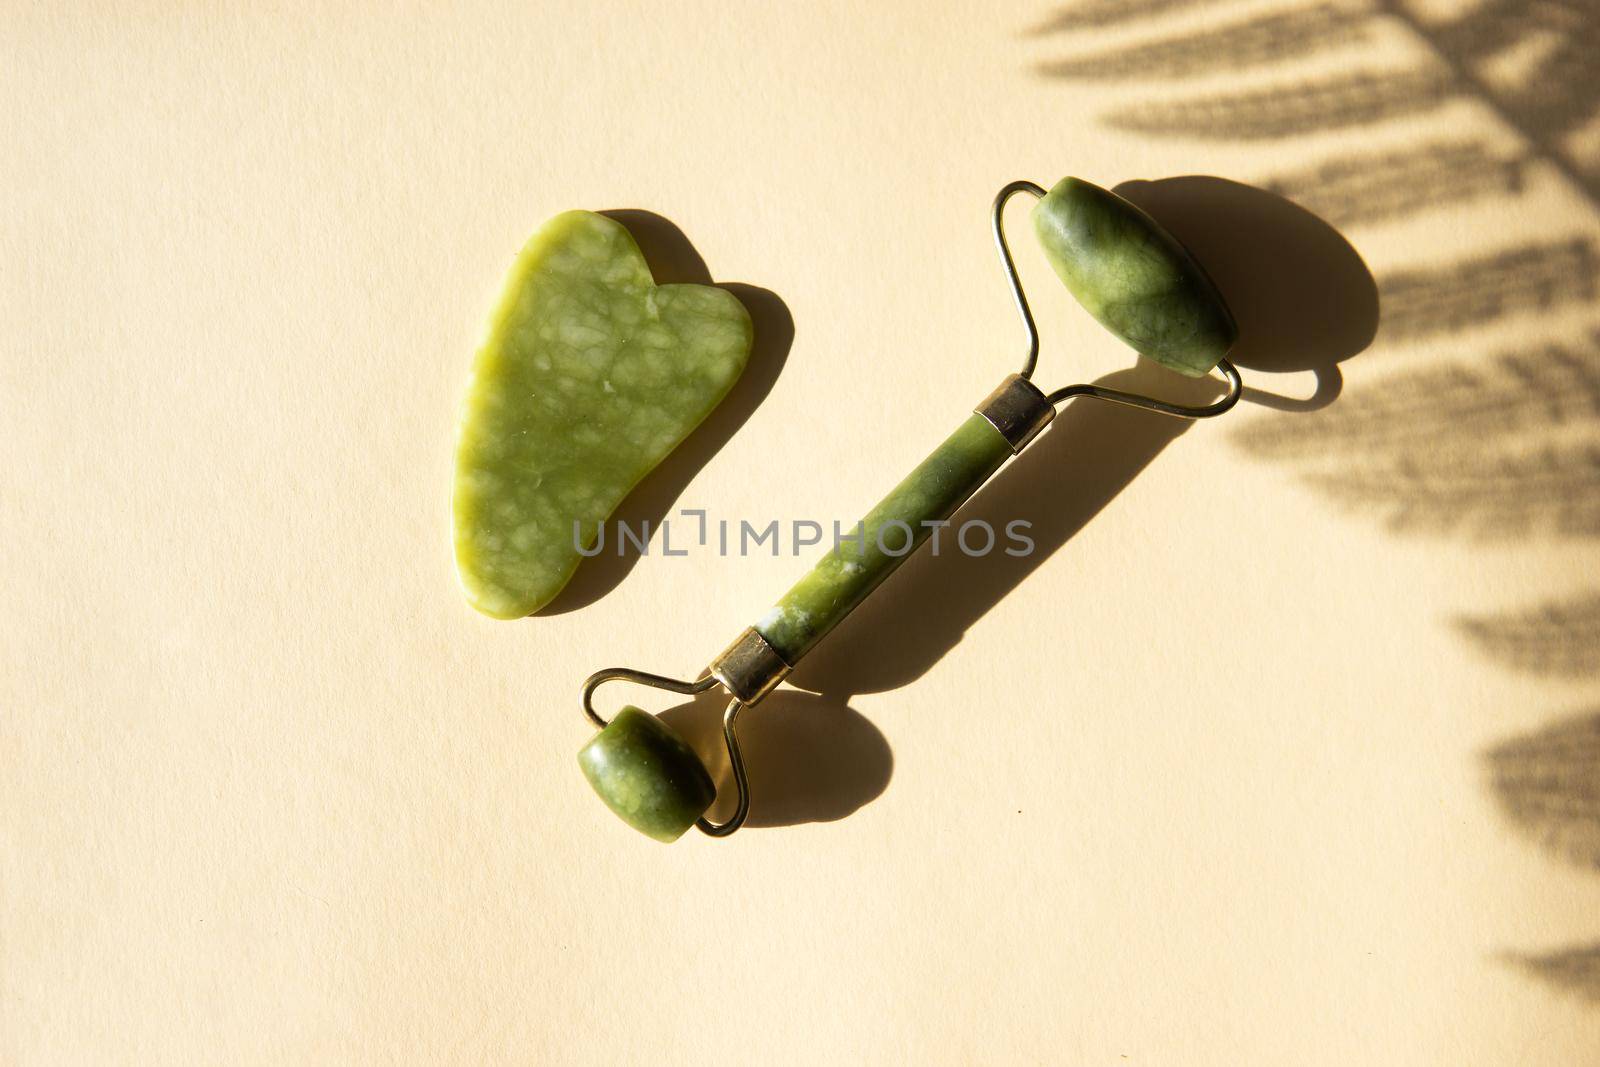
(647, 774)
(1134, 277)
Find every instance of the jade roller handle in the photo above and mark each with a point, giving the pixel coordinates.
(891, 532)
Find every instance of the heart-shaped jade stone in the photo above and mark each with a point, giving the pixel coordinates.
(647, 774)
(1134, 277)
(591, 374)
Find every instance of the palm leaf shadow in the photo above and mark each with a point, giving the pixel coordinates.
(1547, 785)
(1574, 970)
(1334, 103)
(1498, 448)
(1259, 41)
(1374, 187)
(1101, 14)
(1557, 639)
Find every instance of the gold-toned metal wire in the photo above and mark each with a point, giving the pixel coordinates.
(1031, 360)
(741, 781)
(628, 674)
(998, 221)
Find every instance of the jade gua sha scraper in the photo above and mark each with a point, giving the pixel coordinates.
(1141, 285)
(590, 375)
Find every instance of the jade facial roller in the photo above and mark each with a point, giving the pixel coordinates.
(1137, 281)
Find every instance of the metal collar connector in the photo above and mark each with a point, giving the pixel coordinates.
(1018, 409)
(749, 668)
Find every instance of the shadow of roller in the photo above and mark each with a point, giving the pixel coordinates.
(1302, 296)
(814, 758)
(1088, 455)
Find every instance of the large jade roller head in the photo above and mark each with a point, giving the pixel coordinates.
(1132, 276)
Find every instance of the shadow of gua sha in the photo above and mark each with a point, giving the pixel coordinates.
(673, 260)
(1303, 297)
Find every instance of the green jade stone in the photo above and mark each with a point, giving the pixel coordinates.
(590, 376)
(888, 535)
(647, 774)
(1134, 277)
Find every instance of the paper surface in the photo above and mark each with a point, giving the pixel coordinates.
(1270, 753)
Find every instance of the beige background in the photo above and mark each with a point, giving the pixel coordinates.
(1214, 783)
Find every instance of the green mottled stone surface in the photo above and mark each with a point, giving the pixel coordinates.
(590, 375)
(1134, 277)
(851, 570)
(647, 774)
